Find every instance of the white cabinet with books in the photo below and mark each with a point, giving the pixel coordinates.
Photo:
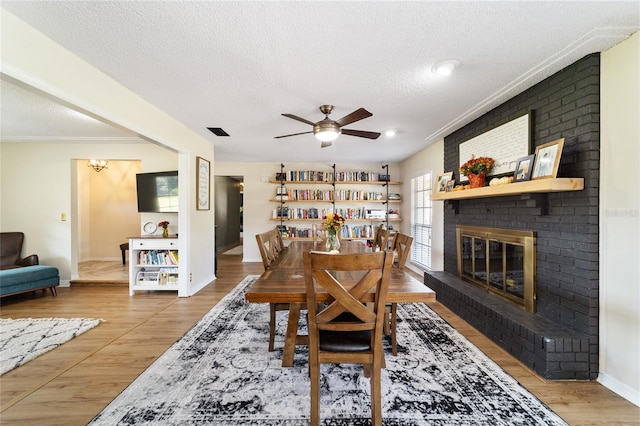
(153, 264)
(365, 200)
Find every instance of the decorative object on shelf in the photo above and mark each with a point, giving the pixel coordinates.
(203, 177)
(477, 180)
(165, 228)
(524, 167)
(505, 144)
(547, 159)
(441, 182)
(150, 228)
(333, 223)
(476, 170)
(501, 181)
(98, 165)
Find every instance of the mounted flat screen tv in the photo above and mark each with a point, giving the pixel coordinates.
(157, 192)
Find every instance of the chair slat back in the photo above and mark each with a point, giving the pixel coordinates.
(382, 239)
(328, 273)
(402, 247)
(270, 244)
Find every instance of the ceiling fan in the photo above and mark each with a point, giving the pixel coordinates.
(328, 130)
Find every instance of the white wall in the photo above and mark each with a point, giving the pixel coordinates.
(430, 159)
(258, 191)
(35, 62)
(36, 192)
(620, 220)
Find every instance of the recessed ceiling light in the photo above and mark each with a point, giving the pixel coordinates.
(390, 132)
(445, 67)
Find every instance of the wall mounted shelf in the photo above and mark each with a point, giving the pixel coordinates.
(517, 188)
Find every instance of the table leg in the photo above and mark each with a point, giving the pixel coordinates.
(292, 334)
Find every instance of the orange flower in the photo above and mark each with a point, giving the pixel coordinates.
(477, 165)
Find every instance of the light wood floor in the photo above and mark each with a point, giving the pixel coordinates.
(73, 383)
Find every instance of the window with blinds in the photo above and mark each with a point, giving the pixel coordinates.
(421, 210)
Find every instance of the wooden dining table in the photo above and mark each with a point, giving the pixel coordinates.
(283, 282)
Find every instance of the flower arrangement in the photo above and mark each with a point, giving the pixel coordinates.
(164, 224)
(333, 221)
(477, 165)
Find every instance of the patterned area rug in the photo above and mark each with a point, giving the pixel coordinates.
(220, 373)
(21, 340)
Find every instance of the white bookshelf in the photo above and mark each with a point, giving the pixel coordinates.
(153, 264)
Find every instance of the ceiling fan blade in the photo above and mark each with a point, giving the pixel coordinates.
(293, 134)
(325, 144)
(360, 133)
(295, 117)
(356, 115)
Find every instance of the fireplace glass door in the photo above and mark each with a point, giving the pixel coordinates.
(500, 261)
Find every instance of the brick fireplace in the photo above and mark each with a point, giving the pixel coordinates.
(559, 338)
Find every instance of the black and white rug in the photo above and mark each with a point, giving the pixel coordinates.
(220, 373)
(24, 339)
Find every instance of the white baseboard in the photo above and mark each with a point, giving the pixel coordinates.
(625, 391)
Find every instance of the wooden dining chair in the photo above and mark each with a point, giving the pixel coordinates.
(271, 244)
(381, 240)
(401, 249)
(318, 233)
(345, 330)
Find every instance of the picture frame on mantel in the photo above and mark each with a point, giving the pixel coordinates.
(442, 181)
(524, 168)
(203, 180)
(547, 159)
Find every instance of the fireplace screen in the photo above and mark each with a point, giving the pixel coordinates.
(501, 261)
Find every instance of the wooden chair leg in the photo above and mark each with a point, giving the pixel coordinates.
(394, 318)
(272, 326)
(376, 395)
(315, 394)
(387, 322)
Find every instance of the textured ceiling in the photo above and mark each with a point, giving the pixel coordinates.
(239, 65)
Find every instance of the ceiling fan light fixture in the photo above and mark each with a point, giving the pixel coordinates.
(445, 68)
(390, 132)
(327, 135)
(326, 130)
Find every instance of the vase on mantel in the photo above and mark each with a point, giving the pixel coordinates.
(333, 242)
(477, 180)
(165, 232)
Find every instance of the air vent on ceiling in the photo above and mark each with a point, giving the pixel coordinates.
(218, 131)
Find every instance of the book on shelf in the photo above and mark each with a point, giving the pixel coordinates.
(158, 257)
(305, 176)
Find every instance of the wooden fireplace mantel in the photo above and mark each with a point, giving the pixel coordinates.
(517, 188)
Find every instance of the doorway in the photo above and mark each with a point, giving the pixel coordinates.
(229, 200)
(106, 216)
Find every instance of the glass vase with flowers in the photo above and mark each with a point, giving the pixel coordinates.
(333, 223)
(165, 228)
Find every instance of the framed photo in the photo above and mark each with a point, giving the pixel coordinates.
(524, 168)
(547, 159)
(442, 181)
(203, 178)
